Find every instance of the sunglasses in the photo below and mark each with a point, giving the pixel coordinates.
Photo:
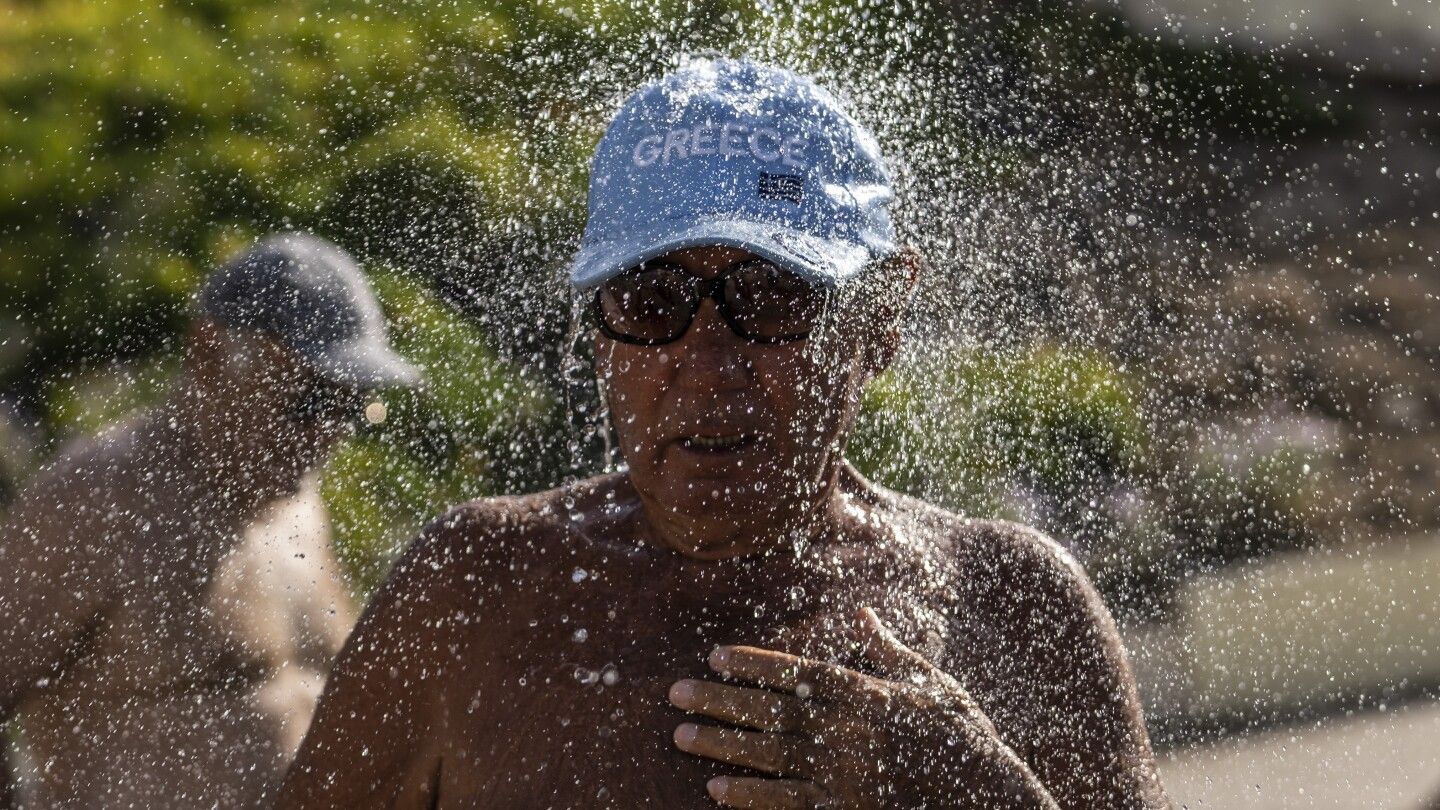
(323, 401)
(655, 303)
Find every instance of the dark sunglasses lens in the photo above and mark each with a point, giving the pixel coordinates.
(768, 303)
(648, 304)
(328, 402)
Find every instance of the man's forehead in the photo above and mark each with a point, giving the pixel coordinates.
(275, 358)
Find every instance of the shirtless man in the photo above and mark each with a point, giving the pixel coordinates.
(737, 617)
(169, 602)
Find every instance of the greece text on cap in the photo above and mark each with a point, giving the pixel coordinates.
(729, 140)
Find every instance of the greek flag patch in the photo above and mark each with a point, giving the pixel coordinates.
(788, 187)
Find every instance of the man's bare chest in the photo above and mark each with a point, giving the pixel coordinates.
(567, 705)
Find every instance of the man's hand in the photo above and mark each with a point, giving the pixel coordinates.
(834, 737)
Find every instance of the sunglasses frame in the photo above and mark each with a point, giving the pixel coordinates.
(704, 288)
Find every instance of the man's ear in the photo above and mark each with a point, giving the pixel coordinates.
(894, 285)
(215, 351)
(205, 346)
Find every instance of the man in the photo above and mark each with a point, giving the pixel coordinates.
(169, 602)
(737, 616)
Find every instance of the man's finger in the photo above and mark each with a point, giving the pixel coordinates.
(886, 651)
(740, 791)
(800, 676)
(753, 708)
(763, 751)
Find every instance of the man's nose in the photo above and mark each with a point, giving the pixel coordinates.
(710, 354)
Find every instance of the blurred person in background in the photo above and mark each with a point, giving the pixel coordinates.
(169, 602)
(737, 616)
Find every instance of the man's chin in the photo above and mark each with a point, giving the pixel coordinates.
(713, 493)
(760, 504)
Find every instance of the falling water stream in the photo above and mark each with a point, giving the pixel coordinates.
(1177, 309)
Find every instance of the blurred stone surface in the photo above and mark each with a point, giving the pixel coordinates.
(1376, 760)
(1341, 627)
(1341, 339)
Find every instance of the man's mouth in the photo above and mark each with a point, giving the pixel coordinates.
(718, 442)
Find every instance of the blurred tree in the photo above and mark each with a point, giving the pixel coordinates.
(142, 141)
(1048, 435)
(479, 427)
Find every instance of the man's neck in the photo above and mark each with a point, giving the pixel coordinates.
(704, 538)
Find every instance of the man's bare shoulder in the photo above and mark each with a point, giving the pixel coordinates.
(1050, 650)
(85, 468)
(433, 637)
(1014, 555)
(493, 542)
(476, 570)
(997, 556)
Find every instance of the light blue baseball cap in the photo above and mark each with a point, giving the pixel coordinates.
(735, 153)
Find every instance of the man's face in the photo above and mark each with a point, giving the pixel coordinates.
(282, 409)
(714, 425)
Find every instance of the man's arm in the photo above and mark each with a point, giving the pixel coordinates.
(376, 735)
(1068, 702)
(57, 574)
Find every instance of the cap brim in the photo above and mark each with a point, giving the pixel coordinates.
(827, 262)
(365, 365)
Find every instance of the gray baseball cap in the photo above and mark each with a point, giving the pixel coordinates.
(738, 153)
(311, 296)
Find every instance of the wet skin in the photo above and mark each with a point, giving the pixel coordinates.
(739, 618)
